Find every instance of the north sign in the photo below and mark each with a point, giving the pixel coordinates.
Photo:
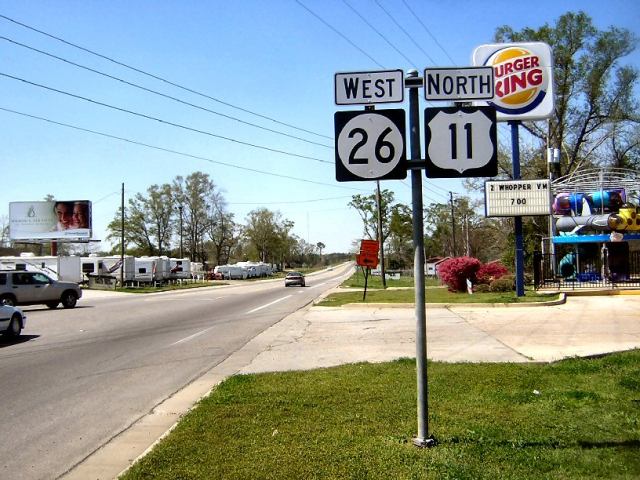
(458, 84)
(370, 145)
(367, 88)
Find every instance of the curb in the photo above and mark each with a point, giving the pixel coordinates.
(562, 299)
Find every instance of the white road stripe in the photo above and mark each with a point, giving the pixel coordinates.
(190, 337)
(267, 305)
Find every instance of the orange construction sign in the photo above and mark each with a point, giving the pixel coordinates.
(368, 256)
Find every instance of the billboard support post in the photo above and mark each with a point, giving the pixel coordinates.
(515, 154)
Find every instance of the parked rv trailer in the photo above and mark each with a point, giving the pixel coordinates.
(250, 267)
(114, 265)
(68, 269)
(180, 268)
(197, 270)
(110, 265)
(256, 269)
(231, 272)
(152, 269)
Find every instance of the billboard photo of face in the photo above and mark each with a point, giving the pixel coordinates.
(55, 220)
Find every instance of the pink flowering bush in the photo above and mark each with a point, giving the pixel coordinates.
(454, 272)
(491, 271)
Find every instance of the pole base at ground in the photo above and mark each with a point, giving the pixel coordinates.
(425, 442)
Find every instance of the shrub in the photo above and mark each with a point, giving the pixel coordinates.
(491, 271)
(481, 288)
(504, 284)
(454, 272)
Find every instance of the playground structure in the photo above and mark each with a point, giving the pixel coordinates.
(594, 231)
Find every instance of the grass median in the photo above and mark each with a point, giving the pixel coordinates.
(575, 419)
(432, 295)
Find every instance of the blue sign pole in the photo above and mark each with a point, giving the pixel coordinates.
(515, 157)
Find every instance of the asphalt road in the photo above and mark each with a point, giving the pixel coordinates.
(79, 377)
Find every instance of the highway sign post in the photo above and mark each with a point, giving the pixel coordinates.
(370, 145)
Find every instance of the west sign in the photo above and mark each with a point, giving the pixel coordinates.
(366, 88)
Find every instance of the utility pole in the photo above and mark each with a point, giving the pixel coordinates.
(380, 238)
(122, 237)
(453, 223)
(180, 209)
(468, 244)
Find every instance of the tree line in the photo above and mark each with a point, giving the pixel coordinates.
(189, 218)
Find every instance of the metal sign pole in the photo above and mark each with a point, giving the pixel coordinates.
(413, 82)
(515, 153)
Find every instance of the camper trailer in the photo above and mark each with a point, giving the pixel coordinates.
(256, 269)
(231, 272)
(180, 268)
(152, 269)
(111, 266)
(197, 270)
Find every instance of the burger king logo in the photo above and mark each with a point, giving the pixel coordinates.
(522, 79)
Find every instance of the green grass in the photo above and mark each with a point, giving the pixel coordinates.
(357, 281)
(357, 421)
(170, 287)
(432, 295)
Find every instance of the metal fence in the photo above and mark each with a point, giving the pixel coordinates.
(579, 267)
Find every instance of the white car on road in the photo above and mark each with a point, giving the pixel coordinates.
(12, 320)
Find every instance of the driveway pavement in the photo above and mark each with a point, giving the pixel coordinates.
(323, 337)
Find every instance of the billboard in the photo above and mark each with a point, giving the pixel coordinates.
(55, 220)
(523, 79)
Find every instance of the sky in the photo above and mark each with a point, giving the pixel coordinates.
(254, 80)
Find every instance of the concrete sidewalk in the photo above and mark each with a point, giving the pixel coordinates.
(323, 337)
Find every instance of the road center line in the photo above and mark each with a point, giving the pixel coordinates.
(190, 337)
(267, 305)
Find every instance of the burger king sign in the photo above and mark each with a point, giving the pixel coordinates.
(523, 79)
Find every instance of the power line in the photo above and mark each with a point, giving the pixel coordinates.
(135, 85)
(175, 152)
(429, 32)
(432, 200)
(339, 33)
(291, 201)
(166, 122)
(380, 34)
(404, 31)
(161, 79)
(439, 188)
